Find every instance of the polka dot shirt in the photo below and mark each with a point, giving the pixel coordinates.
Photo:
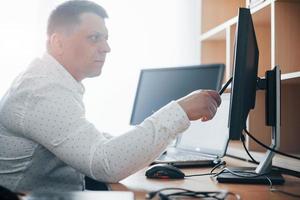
(46, 143)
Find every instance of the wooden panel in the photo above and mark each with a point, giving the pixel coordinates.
(232, 39)
(217, 12)
(290, 126)
(262, 26)
(257, 125)
(290, 123)
(263, 36)
(213, 51)
(236, 149)
(287, 31)
(262, 16)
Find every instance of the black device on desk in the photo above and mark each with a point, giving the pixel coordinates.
(198, 144)
(159, 86)
(243, 92)
(164, 171)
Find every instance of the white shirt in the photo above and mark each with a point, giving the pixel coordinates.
(46, 143)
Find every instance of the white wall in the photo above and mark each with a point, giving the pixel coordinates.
(17, 39)
(142, 34)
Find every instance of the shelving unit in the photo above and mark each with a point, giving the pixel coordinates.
(277, 27)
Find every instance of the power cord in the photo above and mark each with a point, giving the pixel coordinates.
(222, 163)
(244, 145)
(254, 175)
(272, 189)
(242, 174)
(174, 193)
(265, 146)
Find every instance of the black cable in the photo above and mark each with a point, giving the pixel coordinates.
(242, 174)
(181, 192)
(223, 163)
(254, 175)
(204, 174)
(281, 153)
(244, 145)
(265, 146)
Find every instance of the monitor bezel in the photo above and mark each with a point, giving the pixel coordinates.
(240, 105)
(220, 66)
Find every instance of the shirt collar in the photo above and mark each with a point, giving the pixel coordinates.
(65, 75)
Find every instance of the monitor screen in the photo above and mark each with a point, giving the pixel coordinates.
(243, 90)
(157, 87)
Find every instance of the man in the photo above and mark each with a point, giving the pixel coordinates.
(47, 144)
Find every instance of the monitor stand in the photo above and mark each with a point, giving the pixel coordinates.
(272, 86)
(274, 176)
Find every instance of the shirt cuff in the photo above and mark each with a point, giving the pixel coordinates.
(171, 117)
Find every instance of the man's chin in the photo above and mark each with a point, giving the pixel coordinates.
(95, 73)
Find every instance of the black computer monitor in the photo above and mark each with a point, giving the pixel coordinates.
(245, 66)
(159, 86)
(243, 92)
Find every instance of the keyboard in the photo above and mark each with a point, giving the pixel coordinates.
(183, 156)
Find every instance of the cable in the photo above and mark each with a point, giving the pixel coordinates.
(242, 174)
(181, 192)
(272, 189)
(204, 174)
(265, 146)
(243, 141)
(223, 163)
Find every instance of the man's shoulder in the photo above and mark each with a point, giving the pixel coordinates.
(45, 79)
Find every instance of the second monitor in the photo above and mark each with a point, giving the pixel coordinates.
(159, 86)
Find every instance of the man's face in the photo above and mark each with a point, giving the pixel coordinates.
(85, 48)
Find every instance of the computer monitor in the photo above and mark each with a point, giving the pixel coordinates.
(243, 93)
(159, 86)
(243, 90)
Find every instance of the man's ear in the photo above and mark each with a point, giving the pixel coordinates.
(56, 43)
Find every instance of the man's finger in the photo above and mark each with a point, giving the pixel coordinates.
(215, 95)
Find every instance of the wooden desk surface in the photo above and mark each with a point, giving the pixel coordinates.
(140, 185)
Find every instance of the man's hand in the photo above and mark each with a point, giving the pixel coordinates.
(200, 104)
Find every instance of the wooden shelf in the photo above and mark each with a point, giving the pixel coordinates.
(218, 32)
(215, 34)
(261, 16)
(216, 12)
(277, 29)
(292, 75)
(287, 31)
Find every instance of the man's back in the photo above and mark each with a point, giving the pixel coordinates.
(25, 164)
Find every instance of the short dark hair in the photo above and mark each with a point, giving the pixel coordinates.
(67, 14)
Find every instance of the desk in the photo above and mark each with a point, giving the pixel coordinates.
(140, 185)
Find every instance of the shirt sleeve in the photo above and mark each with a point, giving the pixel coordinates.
(55, 118)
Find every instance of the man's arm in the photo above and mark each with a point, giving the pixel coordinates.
(56, 120)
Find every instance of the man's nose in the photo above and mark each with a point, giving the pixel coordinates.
(104, 47)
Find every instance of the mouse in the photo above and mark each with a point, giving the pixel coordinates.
(164, 171)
